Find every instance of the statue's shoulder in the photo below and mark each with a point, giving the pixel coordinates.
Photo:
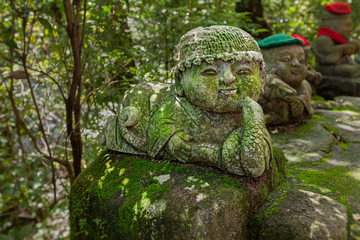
(323, 41)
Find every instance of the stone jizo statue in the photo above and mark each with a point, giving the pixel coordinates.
(333, 50)
(210, 115)
(287, 95)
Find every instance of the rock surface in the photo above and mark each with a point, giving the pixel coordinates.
(128, 197)
(302, 215)
(304, 143)
(337, 173)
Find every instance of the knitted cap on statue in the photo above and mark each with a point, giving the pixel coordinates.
(216, 42)
(278, 40)
(336, 10)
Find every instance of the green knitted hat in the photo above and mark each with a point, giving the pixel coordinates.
(278, 40)
(216, 42)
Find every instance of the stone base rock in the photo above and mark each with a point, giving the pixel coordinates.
(332, 86)
(303, 215)
(129, 197)
(304, 143)
(340, 103)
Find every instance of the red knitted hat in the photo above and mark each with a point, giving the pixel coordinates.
(338, 8)
(305, 42)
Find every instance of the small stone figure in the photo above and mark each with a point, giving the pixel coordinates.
(313, 77)
(333, 48)
(210, 115)
(287, 95)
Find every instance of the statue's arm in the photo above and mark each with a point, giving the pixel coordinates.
(246, 151)
(328, 52)
(304, 96)
(277, 88)
(183, 148)
(313, 76)
(255, 146)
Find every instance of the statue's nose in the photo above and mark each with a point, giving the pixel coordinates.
(227, 77)
(295, 62)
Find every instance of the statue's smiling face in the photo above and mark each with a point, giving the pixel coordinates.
(290, 64)
(222, 86)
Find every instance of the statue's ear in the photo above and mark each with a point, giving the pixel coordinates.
(178, 86)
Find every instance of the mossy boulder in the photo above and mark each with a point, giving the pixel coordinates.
(300, 215)
(123, 196)
(308, 142)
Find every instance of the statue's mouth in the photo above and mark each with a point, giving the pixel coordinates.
(295, 72)
(227, 91)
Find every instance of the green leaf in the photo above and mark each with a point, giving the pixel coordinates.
(46, 24)
(11, 43)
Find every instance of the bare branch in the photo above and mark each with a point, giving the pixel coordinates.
(83, 26)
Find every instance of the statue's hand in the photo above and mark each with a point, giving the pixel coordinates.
(356, 44)
(313, 77)
(252, 140)
(296, 108)
(230, 153)
(277, 88)
(252, 114)
(350, 48)
(180, 147)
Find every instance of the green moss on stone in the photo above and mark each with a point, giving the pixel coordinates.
(318, 99)
(325, 122)
(344, 146)
(108, 176)
(125, 196)
(275, 206)
(342, 109)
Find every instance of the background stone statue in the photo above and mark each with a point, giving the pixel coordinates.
(287, 95)
(313, 77)
(210, 115)
(333, 48)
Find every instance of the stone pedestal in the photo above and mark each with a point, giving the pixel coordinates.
(121, 196)
(332, 86)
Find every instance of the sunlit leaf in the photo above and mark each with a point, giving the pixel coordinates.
(46, 24)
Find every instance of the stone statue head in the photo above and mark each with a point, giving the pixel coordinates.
(218, 67)
(337, 17)
(285, 57)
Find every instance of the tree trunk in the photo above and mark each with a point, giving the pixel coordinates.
(73, 109)
(255, 8)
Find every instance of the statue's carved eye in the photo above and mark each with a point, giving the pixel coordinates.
(209, 72)
(245, 71)
(302, 61)
(286, 59)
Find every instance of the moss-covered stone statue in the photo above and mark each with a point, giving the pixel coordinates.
(287, 95)
(210, 115)
(333, 49)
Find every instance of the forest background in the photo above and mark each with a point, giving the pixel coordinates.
(64, 66)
